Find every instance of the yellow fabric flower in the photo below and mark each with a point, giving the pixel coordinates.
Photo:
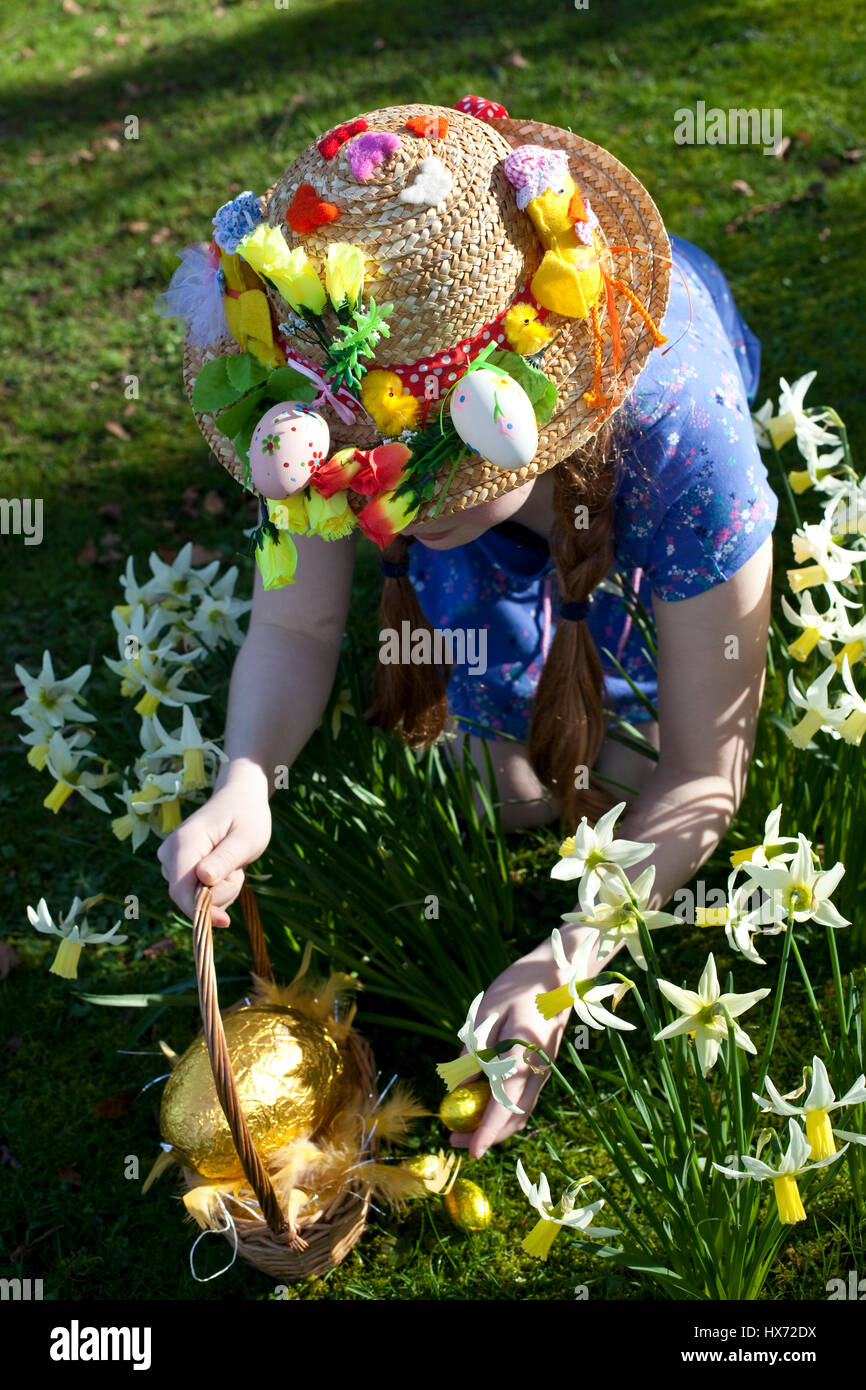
(290, 514)
(291, 272)
(330, 517)
(392, 409)
(277, 561)
(522, 329)
(344, 274)
(248, 313)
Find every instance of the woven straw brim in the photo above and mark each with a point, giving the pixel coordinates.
(331, 1233)
(451, 269)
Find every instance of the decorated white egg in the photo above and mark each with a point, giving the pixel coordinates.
(289, 443)
(493, 415)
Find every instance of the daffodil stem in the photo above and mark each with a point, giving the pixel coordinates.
(801, 966)
(784, 476)
(777, 1004)
(840, 993)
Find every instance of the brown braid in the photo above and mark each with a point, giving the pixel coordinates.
(568, 723)
(412, 700)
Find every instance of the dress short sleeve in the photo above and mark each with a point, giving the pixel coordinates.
(694, 501)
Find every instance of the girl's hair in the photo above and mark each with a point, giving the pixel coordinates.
(567, 724)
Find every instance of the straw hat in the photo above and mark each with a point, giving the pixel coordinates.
(452, 269)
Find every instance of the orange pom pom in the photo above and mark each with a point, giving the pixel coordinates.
(308, 211)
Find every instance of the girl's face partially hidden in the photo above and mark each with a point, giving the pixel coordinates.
(468, 525)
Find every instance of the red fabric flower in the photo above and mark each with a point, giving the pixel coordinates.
(329, 145)
(307, 210)
(381, 469)
(481, 107)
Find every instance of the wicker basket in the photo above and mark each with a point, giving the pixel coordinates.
(329, 1234)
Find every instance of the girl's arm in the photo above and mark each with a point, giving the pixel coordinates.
(712, 657)
(280, 685)
(710, 689)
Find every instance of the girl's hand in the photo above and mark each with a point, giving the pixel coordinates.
(232, 829)
(512, 996)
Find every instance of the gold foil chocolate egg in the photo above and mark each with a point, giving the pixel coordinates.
(289, 1074)
(463, 1110)
(467, 1206)
(423, 1166)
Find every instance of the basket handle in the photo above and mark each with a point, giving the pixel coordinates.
(215, 1039)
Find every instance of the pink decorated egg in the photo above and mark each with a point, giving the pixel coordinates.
(289, 443)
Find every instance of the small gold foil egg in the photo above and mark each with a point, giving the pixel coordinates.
(289, 1074)
(463, 1110)
(467, 1206)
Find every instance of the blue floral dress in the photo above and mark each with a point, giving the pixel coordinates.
(692, 504)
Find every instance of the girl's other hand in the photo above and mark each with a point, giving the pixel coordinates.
(512, 996)
(232, 829)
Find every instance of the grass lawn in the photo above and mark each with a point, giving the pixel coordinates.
(96, 424)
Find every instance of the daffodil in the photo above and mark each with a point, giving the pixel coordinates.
(140, 631)
(815, 702)
(51, 699)
(344, 274)
(613, 909)
(555, 1216)
(479, 1058)
(853, 705)
(799, 890)
(188, 744)
(818, 468)
(74, 937)
(590, 846)
(63, 762)
(582, 990)
(815, 626)
(772, 845)
(739, 917)
(793, 1164)
(177, 583)
(342, 705)
(706, 1015)
(157, 685)
(138, 821)
(816, 1108)
(792, 422)
(215, 618)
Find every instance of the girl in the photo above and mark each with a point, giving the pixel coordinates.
(671, 501)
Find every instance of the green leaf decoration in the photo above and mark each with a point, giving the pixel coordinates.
(213, 387)
(242, 441)
(538, 387)
(285, 384)
(245, 371)
(231, 420)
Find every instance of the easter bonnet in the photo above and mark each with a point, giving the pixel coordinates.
(430, 307)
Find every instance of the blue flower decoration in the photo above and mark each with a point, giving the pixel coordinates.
(235, 220)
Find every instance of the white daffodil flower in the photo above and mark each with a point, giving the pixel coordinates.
(816, 627)
(139, 820)
(798, 889)
(177, 584)
(816, 1108)
(818, 473)
(612, 908)
(186, 743)
(784, 1178)
(480, 1058)
(706, 1014)
(62, 760)
(158, 686)
(50, 699)
(589, 846)
(771, 846)
(819, 713)
(582, 990)
(215, 618)
(852, 636)
(814, 542)
(142, 631)
(791, 420)
(741, 921)
(845, 508)
(74, 937)
(556, 1215)
(853, 706)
